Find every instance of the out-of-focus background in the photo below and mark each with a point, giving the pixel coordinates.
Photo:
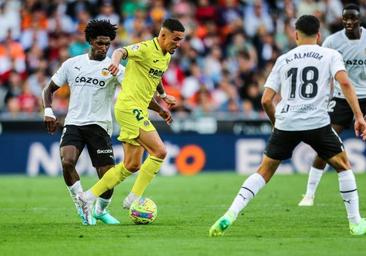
(217, 76)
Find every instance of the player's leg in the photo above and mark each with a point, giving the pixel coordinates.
(328, 145)
(100, 150)
(248, 190)
(151, 141)
(114, 175)
(132, 161)
(315, 174)
(349, 193)
(275, 152)
(100, 211)
(71, 146)
(341, 117)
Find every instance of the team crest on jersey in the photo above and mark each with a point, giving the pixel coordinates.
(135, 47)
(146, 123)
(105, 72)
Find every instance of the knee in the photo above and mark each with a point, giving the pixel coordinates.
(132, 166)
(68, 164)
(160, 152)
(342, 166)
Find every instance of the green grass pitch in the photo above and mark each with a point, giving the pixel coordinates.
(37, 217)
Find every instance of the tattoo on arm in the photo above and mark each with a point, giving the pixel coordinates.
(123, 52)
(154, 105)
(160, 88)
(47, 94)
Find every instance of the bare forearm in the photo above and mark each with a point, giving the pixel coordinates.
(119, 54)
(270, 110)
(47, 95)
(155, 106)
(160, 89)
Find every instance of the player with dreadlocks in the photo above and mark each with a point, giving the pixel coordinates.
(89, 119)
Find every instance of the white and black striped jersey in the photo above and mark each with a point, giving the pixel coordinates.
(302, 77)
(91, 90)
(354, 56)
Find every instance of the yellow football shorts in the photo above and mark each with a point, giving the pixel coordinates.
(130, 122)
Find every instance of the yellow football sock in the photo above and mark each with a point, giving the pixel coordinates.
(147, 172)
(110, 179)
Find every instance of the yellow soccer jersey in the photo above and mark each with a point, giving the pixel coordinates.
(145, 68)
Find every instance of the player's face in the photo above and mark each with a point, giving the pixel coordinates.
(173, 40)
(351, 20)
(99, 47)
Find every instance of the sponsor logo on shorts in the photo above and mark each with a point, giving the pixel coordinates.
(104, 151)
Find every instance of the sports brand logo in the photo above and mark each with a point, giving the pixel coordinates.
(135, 47)
(105, 72)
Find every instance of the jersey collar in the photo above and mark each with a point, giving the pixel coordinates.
(156, 44)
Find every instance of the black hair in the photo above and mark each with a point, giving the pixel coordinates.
(308, 24)
(97, 28)
(351, 7)
(173, 25)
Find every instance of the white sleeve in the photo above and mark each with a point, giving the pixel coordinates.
(121, 73)
(327, 43)
(337, 63)
(60, 77)
(274, 79)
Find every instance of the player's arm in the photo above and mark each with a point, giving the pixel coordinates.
(169, 99)
(118, 54)
(164, 113)
(349, 92)
(269, 104)
(49, 117)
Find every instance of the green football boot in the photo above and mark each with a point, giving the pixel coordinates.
(358, 229)
(105, 217)
(222, 224)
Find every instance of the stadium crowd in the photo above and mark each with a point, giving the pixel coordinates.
(229, 49)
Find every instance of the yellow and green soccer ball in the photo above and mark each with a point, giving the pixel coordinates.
(143, 211)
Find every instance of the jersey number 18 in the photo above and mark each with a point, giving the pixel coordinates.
(308, 87)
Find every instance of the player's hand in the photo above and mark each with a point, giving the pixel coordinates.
(113, 68)
(170, 100)
(51, 124)
(166, 115)
(360, 128)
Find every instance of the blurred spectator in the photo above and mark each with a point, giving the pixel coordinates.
(107, 13)
(229, 49)
(256, 16)
(28, 103)
(34, 35)
(202, 103)
(37, 81)
(12, 57)
(79, 45)
(9, 19)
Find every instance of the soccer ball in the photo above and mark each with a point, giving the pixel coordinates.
(143, 211)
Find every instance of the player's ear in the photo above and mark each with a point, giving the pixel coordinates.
(318, 38)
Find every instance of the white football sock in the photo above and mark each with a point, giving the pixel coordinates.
(101, 205)
(74, 189)
(249, 189)
(90, 196)
(348, 189)
(313, 181)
